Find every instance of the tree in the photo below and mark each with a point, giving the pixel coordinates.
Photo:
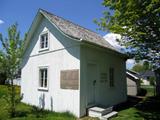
(142, 67)
(2, 77)
(138, 68)
(146, 66)
(138, 22)
(10, 59)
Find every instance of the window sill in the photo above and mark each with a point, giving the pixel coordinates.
(44, 49)
(43, 89)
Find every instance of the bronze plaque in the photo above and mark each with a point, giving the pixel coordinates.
(69, 79)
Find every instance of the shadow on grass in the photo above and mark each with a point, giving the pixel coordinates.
(41, 114)
(131, 102)
(149, 108)
(142, 92)
(21, 114)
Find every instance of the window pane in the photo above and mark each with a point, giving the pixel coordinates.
(45, 83)
(46, 36)
(44, 41)
(42, 38)
(45, 71)
(46, 44)
(42, 45)
(43, 77)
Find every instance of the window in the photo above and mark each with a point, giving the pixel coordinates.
(111, 77)
(43, 77)
(44, 41)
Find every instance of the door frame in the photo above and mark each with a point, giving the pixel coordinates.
(95, 89)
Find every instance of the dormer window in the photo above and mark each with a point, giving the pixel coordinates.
(44, 41)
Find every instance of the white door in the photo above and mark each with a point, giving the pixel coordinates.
(91, 84)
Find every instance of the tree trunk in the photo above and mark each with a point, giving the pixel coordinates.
(12, 99)
(157, 73)
(2, 78)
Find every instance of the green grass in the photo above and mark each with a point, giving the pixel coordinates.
(26, 112)
(150, 90)
(128, 114)
(147, 108)
(136, 109)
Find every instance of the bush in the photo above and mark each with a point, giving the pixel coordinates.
(142, 92)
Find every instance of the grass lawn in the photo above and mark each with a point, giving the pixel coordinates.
(146, 108)
(26, 112)
(150, 90)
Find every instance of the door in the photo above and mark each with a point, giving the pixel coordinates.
(91, 84)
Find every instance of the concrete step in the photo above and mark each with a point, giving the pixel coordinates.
(99, 111)
(109, 115)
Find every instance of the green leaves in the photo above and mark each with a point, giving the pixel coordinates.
(10, 59)
(12, 51)
(138, 21)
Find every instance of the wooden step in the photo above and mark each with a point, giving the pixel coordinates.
(109, 115)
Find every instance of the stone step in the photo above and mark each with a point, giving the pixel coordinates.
(109, 115)
(98, 111)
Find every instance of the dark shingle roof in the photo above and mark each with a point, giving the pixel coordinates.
(147, 73)
(76, 31)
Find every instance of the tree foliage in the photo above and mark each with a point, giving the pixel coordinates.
(138, 68)
(138, 22)
(10, 59)
(142, 67)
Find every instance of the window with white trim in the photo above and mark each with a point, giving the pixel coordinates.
(43, 77)
(44, 41)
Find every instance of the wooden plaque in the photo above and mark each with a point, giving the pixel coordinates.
(69, 79)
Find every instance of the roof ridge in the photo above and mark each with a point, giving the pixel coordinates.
(72, 22)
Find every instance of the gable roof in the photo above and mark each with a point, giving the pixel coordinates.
(72, 30)
(76, 31)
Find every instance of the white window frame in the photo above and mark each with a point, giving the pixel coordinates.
(39, 79)
(45, 48)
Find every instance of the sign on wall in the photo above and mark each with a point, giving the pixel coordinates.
(103, 77)
(69, 79)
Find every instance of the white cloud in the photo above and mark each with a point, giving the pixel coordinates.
(111, 38)
(130, 63)
(1, 21)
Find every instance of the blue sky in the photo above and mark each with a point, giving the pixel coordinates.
(23, 12)
(81, 12)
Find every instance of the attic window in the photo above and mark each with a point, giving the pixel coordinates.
(44, 41)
